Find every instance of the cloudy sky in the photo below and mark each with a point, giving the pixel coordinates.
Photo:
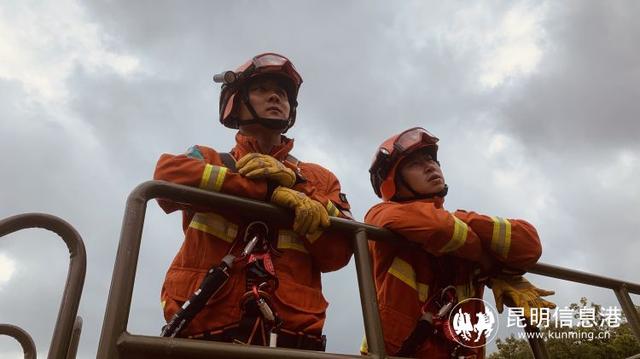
(535, 103)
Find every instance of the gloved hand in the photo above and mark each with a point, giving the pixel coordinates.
(516, 291)
(258, 165)
(310, 216)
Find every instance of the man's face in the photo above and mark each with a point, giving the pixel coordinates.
(268, 98)
(422, 173)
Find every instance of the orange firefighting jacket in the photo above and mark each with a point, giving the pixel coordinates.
(298, 299)
(446, 251)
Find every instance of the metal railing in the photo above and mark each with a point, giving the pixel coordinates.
(66, 333)
(116, 342)
(25, 340)
(620, 288)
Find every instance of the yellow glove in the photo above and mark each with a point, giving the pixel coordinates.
(516, 291)
(310, 216)
(257, 165)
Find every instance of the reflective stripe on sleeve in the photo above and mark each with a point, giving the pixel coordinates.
(332, 210)
(404, 271)
(458, 238)
(216, 225)
(289, 240)
(501, 239)
(213, 177)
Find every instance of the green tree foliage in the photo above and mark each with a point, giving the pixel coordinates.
(577, 341)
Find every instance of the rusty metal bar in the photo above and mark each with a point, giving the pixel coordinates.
(368, 295)
(75, 278)
(629, 309)
(148, 347)
(620, 288)
(25, 340)
(119, 301)
(116, 343)
(536, 343)
(583, 277)
(120, 293)
(75, 338)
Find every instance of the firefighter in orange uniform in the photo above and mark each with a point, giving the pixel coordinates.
(448, 256)
(259, 99)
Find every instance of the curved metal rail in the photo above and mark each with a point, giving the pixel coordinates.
(25, 340)
(61, 341)
(116, 343)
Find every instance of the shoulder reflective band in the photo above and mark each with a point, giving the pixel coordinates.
(404, 271)
(332, 210)
(215, 225)
(458, 238)
(501, 239)
(213, 177)
(289, 240)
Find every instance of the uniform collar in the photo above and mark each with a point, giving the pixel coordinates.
(248, 144)
(438, 202)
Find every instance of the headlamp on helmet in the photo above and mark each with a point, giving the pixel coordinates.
(234, 88)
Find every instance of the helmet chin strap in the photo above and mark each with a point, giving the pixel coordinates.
(416, 194)
(274, 124)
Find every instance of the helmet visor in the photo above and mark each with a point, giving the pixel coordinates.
(412, 139)
(269, 60)
(390, 154)
(276, 63)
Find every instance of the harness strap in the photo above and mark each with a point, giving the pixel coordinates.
(422, 331)
(430, 323)
(228, 161)
(293, 160)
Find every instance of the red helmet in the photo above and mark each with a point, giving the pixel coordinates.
(234, 88)
(391, 152)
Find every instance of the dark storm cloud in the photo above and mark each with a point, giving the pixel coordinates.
(47, 169)
(577, 118)
(584, 98)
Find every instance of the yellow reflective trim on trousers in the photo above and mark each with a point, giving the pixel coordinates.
(213, 177)
(289, 240)
(501, 239)
(404, 271)
(216, 225)
(163, 303)
(332, 210)
(458, 238)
